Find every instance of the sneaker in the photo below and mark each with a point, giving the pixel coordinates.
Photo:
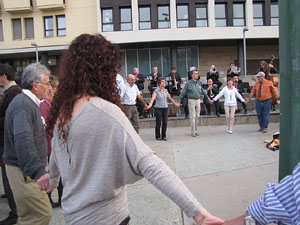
(260, 129)
(194, 135)
(264, 130)
(229, 131)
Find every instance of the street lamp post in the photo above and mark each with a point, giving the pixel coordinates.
(244, 46)
(36, 51)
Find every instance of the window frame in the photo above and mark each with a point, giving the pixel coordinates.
(13, 26)
(1, 31)
(222, 18)
(60, 29)
(274, 17)
(26, 19)
(108, 23)
(233, 17)
(183, 20)
(263, 14)
(202, 19)
(160, 21)
(48, 30)
(121, 23)
(145, 21)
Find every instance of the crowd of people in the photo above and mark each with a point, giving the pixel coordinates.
(86, 124)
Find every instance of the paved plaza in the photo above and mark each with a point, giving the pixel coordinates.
(225, 172)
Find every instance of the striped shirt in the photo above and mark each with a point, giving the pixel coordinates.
(280, 203)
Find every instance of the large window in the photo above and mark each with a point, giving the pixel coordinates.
(274, 14)
(146, 59)
(238, 15)
(201, 15)
(48, 24)
(126, 23)
(107, 20)
(220, 15)
(258, 16)
(1, 31)
(186, 57)
(61, 25)
(182, 16)
(29, 28)
(163, 17)
(145, 18)
(17, 29)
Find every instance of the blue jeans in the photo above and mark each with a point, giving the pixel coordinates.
(263, 112)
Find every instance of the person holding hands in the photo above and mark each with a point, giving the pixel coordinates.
(161, 108)
(230, 93)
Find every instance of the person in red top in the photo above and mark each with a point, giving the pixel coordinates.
(45, 109)
(264, 90)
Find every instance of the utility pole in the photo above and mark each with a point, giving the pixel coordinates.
(289, 54)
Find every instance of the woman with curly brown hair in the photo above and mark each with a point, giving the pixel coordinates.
(95, 149)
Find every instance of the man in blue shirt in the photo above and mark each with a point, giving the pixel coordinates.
(280, 203)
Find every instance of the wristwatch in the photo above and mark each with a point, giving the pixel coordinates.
(249, 220)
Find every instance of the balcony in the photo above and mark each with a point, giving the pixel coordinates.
(50, 4)
(17, 6)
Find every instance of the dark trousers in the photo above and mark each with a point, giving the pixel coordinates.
(263, 112)
(184, 102)
(9, 194)
(161, 116)
(217, 107)
(140, 106)
(132, 114)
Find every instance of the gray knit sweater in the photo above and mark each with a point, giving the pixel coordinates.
(102, 154)
(25, 143)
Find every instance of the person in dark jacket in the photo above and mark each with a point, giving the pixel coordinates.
(25, 148)
(212, 92)
(139, 81)
(154, 77)
(238, 84)
(11, 89)
(233, 71)
(173, 80)
(214, 75)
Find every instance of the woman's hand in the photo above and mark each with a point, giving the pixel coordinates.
(177, 104)
(205, 218)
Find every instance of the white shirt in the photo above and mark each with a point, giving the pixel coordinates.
(129, 94)
(32, 96)
(120, 81)
(230, 96)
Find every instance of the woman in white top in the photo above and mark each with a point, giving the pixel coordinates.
(230, 93)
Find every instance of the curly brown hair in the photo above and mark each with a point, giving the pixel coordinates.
(88, 67)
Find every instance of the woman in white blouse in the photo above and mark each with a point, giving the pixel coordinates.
(230, 93)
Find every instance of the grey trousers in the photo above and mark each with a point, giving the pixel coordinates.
(133, 115)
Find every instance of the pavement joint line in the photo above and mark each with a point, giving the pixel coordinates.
(232, 170)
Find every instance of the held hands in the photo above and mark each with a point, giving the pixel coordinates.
(177, 104)
(236, 221)
(43, 182)
(210, 101)
(205, 218)
(247, 101)
(148, 107)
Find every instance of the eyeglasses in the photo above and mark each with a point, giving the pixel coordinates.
(47, 84)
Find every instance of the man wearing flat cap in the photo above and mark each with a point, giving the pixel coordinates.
(264, 90)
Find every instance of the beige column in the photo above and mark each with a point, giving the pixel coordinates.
(249, 13)
(173, 14)
(211, 13)
(135, 14)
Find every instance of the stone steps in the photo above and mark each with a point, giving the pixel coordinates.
(181, 121)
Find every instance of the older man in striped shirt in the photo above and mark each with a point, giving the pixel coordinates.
(280, 204)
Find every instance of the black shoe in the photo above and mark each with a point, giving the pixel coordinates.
(54, 204)
(186, 116)
(3, 196)
(245, 111)
(9, 221)
(164, 139)
(158, 139)
(218, 115)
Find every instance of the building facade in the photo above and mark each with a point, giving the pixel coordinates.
(162, 33)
